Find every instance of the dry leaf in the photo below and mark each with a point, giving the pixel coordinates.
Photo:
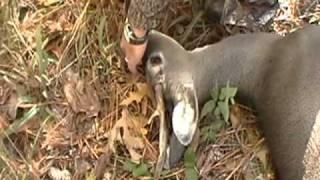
(55, 47)
(57, 174)
(101, 164)
(59, 23)
(262, 155)
(82, 166)
(131, 136)
(3, 121)
(232, 164)
(81, 96)
(8, 100)
(4, 92)
(58, 136)
(235, 117)
(137, 96)
(239, 115)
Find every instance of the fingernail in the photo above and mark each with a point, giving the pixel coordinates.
(126, 59)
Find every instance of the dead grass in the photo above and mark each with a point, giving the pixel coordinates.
(64, 86)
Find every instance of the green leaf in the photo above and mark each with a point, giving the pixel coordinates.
(217, 112)
(217, 125)
(101, 29)
(229, 92)
(207, 108)
(189, 163)
(222, 94)
(215, 94)
(224, 109)
(140, 170)
(189, 158)
(129, 166)
(16, 125)
(191, 174)
(42, 59)
(136, 169)
(210, 132)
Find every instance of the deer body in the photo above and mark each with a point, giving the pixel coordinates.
(279, 76)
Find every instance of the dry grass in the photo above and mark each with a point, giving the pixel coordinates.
(64, 85)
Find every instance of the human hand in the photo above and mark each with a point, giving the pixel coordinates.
(133, 52)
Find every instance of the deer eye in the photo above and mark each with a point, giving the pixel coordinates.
(155, 61)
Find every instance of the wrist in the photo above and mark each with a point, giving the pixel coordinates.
(135, 35)
(139, 32)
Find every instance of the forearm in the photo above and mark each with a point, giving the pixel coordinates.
(147, 14)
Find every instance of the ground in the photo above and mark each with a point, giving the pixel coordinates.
(70, 109)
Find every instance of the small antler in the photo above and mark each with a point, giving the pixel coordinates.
(163, 132)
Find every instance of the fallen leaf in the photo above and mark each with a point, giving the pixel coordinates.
(131, 136)
(55, 47)
(3, 122)
(55, 138)
(232, 164)
(144, 90)
(240, 115)
(8, 100)
(82, 166)
(81, 96)
(4, 92)
(262, 155)
(235, 116)
(57, 174)
(101, 165)
(12, 105)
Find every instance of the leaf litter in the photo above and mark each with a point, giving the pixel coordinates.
(81, 96)
(132, 131)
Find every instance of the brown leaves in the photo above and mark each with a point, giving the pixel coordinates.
(240, 115)
(81, 96)
(57, 136)
(3, 121)
(133, 130)
(136, 96)
(8, 100)
(248, 155)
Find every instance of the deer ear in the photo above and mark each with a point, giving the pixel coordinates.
(185, 114)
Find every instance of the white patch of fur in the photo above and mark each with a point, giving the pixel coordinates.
(199, 49)
(183, 122)
(311, 158)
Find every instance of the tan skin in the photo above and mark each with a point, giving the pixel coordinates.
(134, 53)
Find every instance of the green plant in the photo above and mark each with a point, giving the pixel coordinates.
(190, 164)
(217, 110)
(136, 169)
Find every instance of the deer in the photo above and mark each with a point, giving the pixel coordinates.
(279, 76)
